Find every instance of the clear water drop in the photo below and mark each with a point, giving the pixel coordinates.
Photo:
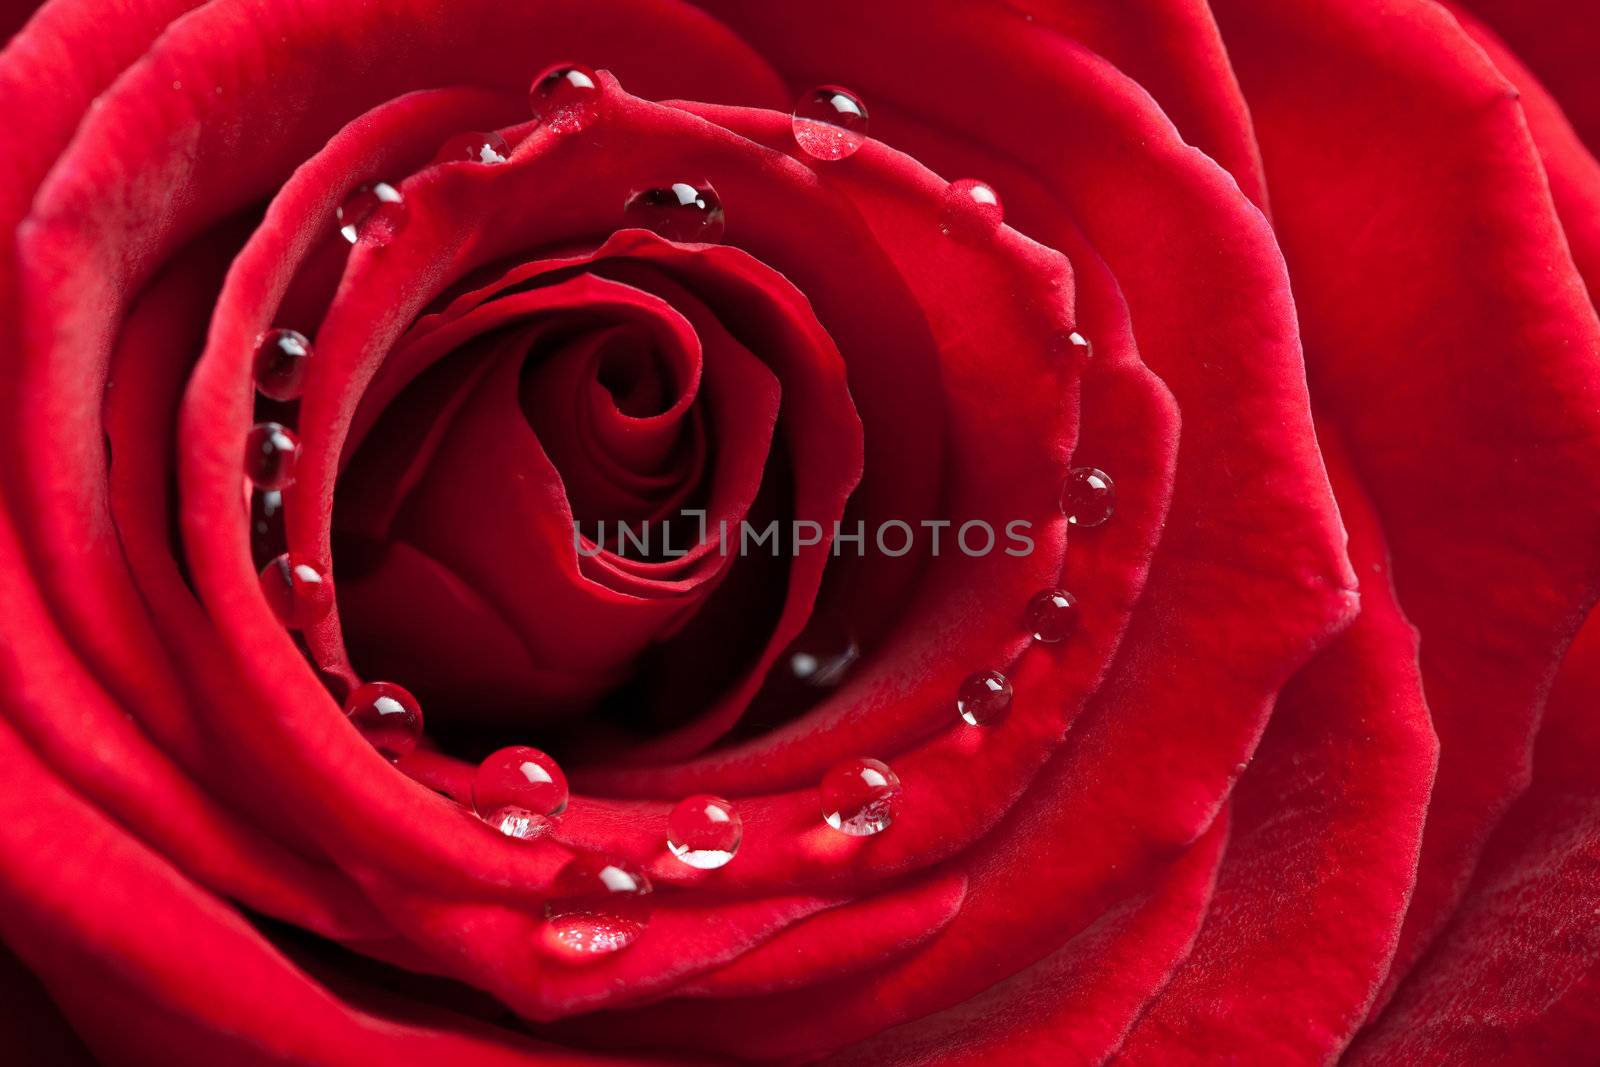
(565, 98)
(983, 698)
(267, 538)
(682, 212)
(474, 147)
(596, 907)
(519, 776)
(829, 123)
(704, 831)
(271, 450)
(971, 209)
(823, 661)
(373, 212)
(1089, 497)
(859, 797)
(387, 715)
(281, 361)
(1052, 616)
(298, 590)
(1071, 343)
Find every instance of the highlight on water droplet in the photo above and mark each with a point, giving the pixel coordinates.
(704, 831)
(297, 589)
(267, 538)
(387, 715)
(1071, 343)
(1052, 616)
(690, 213)
(519, 823)
(565, 98)
(983, 698)
(596, 907)
(281, 361)
(271, 450)
(829, 123)
(373, 212)
(1088, 498)
(859, 797)
(971, 209)
(486, 147)
(519, 776)
(823, 660)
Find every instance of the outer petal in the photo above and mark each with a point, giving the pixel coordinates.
(1319, 870)
(1558, 40)
(1449, 332)
(1073, 1006)
(98, 923)
(1515, 979)
(1573, 171)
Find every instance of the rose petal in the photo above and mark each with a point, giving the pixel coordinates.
(1494, 382)
(1074, 1005)
(1513, 979)
(1328, 825)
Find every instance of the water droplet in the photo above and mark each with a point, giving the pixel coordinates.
(596, 907)
(297, 589)
(270, 452)
(821, 664)
(520, 823)
(859, 797)
(1052, 615)
(565, 98)
(971, 209)
(829, 122)
(387, 715)
(1071, 343)
(374, 212)
(679, 212)
(266, 525)
(984, 697)
(474, 147)
(704, 831)
(1088, 498)
(282, 359)
(521, 777)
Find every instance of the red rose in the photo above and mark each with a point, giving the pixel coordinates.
(963, 697)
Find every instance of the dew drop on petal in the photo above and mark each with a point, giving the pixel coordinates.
(983, 697)
(971, 209)
(282, 359)
(596, 906)
(373, 212)
(1052, 615)
(520, 823)
(387, 715)
(565, 98)
(297, 589)
(1071, 343)
(859, 797)
(519, 776)
(679, 212)
(267, 538)
(474, 147)
(822, 663)
(1088, 497)
(270, 453)
(829, 123)
(704, 831)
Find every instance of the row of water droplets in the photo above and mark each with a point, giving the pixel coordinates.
(829, 124)
(599, 904)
